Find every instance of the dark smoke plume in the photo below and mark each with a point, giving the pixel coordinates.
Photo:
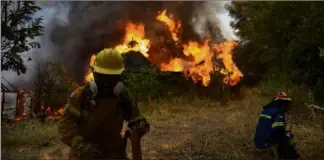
(93, 26)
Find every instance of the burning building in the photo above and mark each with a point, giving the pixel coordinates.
(174, 36)
(195, 59)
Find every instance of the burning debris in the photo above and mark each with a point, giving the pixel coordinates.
(52, 114)
(24, 109)
(196, 60)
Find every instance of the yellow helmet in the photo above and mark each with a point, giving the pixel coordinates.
(108, 61)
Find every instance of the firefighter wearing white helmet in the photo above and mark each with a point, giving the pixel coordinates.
(93, 116)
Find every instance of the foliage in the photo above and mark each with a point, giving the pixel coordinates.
(17, 27)
(276, 81)
(145, 84)
(284, 35)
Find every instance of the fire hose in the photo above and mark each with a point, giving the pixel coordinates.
(135, 139)
(291, 149)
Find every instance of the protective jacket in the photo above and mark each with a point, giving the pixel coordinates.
(98, 121)
(271, 127)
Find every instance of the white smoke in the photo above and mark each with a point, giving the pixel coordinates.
(215, 13)
(54, 13)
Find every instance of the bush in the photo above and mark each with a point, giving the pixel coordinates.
(145, 84)
(276, 81)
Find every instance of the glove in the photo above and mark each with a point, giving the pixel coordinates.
(289, 135)
(87, 151)
(141, 127)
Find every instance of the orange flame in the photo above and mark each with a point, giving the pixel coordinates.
(197, 61)
(89, 76)
(200, 72)
(134, 40)
(134, 34)
(224, 51)
(53, 114)
(174, 28)
(176, 65)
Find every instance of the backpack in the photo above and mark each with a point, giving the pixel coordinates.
(124, 103)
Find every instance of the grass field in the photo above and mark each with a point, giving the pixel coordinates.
(181, 128)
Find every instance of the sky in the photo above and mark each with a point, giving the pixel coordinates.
(49, 12)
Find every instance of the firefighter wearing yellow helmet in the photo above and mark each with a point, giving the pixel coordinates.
(93, 117)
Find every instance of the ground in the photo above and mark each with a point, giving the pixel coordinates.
(181, 128)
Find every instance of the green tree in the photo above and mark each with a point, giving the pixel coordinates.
(17, 27)
(283, 35)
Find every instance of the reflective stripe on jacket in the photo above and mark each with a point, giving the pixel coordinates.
(270, 128)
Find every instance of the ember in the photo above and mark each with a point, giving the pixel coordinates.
(53, 114)
(197, 61)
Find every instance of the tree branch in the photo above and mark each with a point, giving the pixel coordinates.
(313, 106)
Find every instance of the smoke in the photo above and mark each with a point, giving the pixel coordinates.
(206, 22)
(76, 30)
(52, 13)
(95, 25)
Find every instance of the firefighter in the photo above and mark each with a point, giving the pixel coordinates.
(92, 120)
(271, 128)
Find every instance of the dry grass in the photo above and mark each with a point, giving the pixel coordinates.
(30, 132)
(25, 140)
(189, 128)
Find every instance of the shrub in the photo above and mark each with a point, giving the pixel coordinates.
(145, 84)
(276, 81)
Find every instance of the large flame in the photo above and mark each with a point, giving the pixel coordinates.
(225, 54)
(174, 28)
(197, 62)
(134, 40)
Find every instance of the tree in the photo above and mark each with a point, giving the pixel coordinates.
(17, 27)
(50, 86)
(283, 35)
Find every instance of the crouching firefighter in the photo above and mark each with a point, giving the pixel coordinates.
(271, 128)
(93, 117)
